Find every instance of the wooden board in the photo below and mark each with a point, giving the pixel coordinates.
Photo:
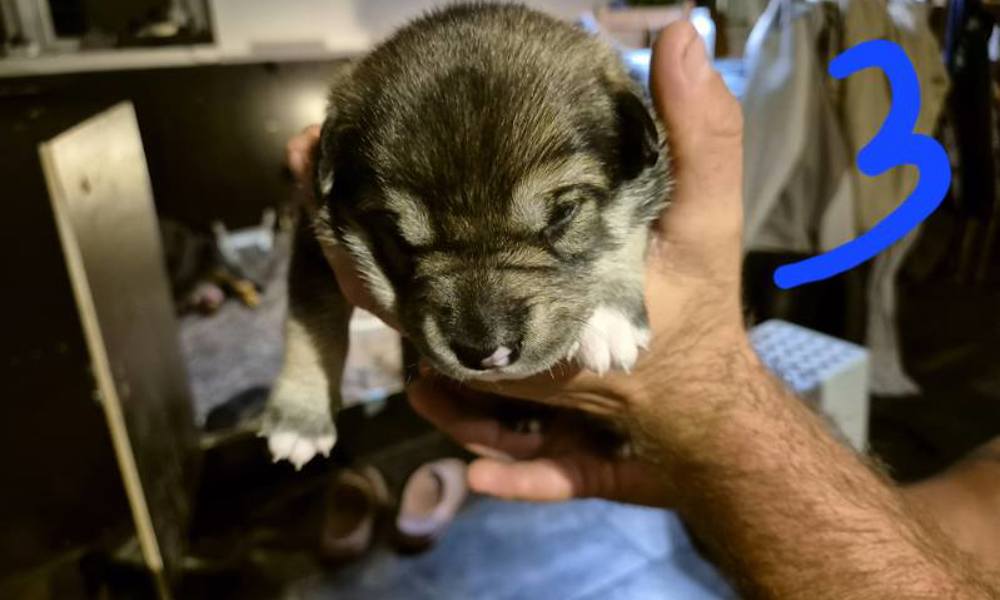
(53, 438)
(102, 201)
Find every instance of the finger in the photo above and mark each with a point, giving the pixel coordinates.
(300, 150)
(457, 414)
(571, 476)
(569, 387)
(541, 480)
(545, 387)
(689, 94)
(704, 122)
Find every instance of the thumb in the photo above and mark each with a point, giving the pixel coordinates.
(705, 128)
(300, 153)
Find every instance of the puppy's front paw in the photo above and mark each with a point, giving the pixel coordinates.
(610, 340)
(296, 432)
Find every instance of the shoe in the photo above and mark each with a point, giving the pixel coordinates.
(430, 499)
(354, 499)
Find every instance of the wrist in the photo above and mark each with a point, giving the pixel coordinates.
(692, 393)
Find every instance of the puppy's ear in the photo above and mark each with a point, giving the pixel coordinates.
(324, 160)
(333, 136)
(638, 137)
(340, 169)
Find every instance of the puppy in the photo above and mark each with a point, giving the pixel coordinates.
(493, 172)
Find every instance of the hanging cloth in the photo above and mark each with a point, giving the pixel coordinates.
(803, 192)
(797, 185)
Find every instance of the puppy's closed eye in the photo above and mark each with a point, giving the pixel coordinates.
(391, 248)
(567, 208)
(560, 219)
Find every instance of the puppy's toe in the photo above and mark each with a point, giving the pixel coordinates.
(594, 353)
(610, 340)
(297, 435)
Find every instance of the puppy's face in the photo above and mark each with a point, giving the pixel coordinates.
(487, 208)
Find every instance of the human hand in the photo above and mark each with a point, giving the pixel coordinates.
(693, 302)
(530, 452)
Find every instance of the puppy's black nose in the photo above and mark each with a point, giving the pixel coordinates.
(483, 358)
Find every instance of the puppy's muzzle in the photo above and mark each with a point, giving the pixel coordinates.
(483, 357)
(486, 332)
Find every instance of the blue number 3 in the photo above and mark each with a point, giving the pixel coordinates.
(894, 145)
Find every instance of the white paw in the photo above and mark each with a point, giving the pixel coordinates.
(298, 449)
(610, 340)
(297, 430)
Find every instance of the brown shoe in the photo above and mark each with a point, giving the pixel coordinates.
(431, 498)
(353, 501)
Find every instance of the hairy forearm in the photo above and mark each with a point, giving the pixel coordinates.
(787, 509)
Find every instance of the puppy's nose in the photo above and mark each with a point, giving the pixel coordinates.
(482, 358)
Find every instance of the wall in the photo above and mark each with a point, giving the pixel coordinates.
(338, 26)
(267, 30)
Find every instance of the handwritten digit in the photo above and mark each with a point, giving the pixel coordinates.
(895, 145)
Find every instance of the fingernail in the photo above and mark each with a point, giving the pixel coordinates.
(695, 57)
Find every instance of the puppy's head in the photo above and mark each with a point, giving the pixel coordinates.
(486, 167)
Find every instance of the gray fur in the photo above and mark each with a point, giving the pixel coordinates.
(446, 155)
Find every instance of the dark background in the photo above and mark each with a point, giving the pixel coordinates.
(214, 139)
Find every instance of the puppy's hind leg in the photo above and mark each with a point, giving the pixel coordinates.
(298, 422)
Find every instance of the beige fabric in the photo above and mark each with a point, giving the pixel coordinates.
(797, 161)
(804, 129)
(803, 192)
(864, 102)
(888, 378)
(864, 97)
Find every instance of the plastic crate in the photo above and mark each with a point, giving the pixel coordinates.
(829, 373)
